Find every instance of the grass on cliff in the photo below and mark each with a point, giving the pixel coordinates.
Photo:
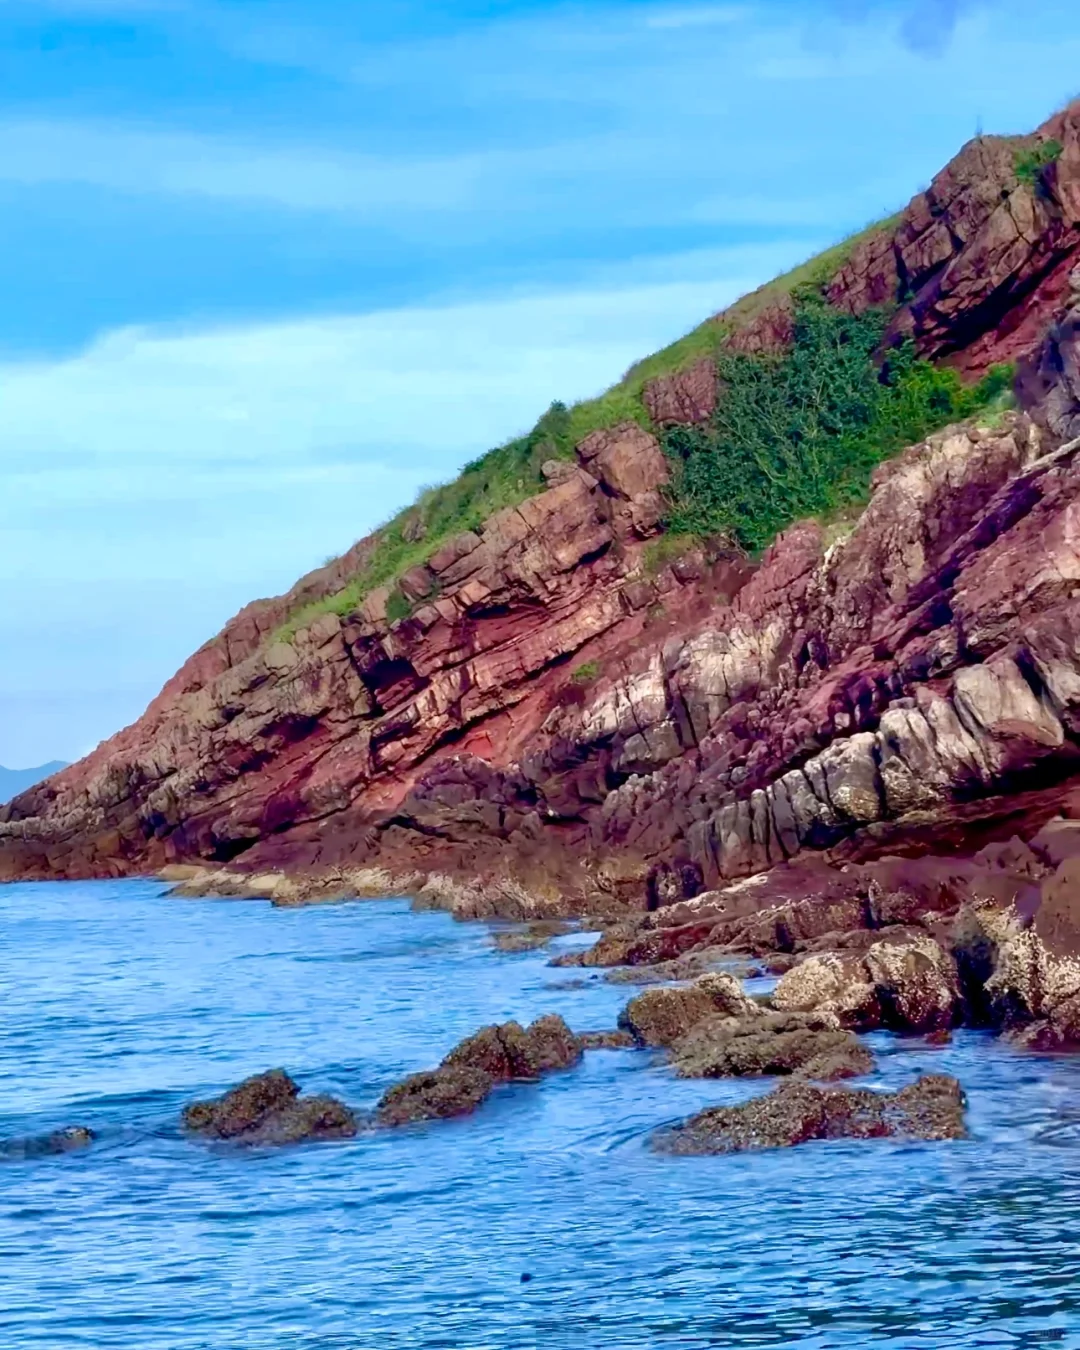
(799, 435)
(1030, 165)
(510, 473)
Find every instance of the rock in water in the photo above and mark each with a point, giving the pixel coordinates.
(509, 1051)
(68, 1140)
(931, 1108)
(268, 1109)
(662, 1016)
(803, 1045)
(606, 1040)
(494, 1054)
(435, 1094)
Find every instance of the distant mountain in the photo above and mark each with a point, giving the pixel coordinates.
(14, 781)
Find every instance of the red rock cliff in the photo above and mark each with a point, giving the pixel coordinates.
(557, 710)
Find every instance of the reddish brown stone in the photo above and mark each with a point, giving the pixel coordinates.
(686, 396)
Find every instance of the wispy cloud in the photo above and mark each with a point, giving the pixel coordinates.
(137, 160)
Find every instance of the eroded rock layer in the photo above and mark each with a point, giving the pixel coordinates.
(568, 720)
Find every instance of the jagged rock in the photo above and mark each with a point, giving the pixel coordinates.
(804, 1045)
(468, 1074)
(687, 396)
(267, 1109)
(435, 1094)
(70, 1139)
(932, 1108)
(511, 1051)
(662, 1016)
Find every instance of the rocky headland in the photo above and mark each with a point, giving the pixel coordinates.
(852, 752)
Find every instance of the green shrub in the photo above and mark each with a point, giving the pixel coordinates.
(1031, 164)
(586, 673)
(398, 605)
(799, 434)
(510, 473)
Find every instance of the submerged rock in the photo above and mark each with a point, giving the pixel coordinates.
(706, 961)
(606, 1040)
(803, 1045)
(662, 1016)
(68, 1140)
(531, 937)
(931, 1108)
(268, 1109)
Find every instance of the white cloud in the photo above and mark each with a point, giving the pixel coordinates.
(262, 448)
(437, 380)
(156, 160)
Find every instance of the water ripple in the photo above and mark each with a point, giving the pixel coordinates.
(120, 1005)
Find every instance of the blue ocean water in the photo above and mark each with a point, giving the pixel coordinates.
(120, 1004)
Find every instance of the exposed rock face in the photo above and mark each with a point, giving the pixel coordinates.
(572, 731)
(268, 1109)
(795, 1113)
(688, 396)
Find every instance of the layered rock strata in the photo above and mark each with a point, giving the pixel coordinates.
(568, 721)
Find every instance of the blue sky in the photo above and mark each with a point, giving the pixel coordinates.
(268, 268)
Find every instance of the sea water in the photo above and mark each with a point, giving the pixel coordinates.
(544, 1220)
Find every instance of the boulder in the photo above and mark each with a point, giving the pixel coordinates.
(267, 1109)
(508, 1051)
(803, 1045)
(626, 458)
(903, 982)
(917, 984)
(830, 983)
(661, 1016)
(435, 1094)
(931, 1108)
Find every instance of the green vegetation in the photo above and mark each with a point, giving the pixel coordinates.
(1031, 164)
(799, 434)
(668, 548)
(398, 605)
(508, 474)
(586, 673)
